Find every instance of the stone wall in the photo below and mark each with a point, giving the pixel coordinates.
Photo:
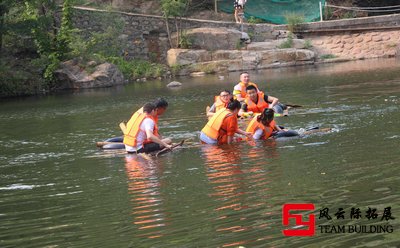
(358, 45)
(146, 35)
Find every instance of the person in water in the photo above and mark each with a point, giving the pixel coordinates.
(142, 132)
(263, 126)
(256, 102)
(239, 91)
(220, 102)
(221, 128)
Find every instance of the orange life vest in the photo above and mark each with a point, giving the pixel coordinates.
(260, 106)
(141, 112)
(267, 130)
(219, 104)
(133, 128)
(213, 126)
(243, 88)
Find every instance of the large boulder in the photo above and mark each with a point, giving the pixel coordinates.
(214, 38)
(72, 76)
(186, 56)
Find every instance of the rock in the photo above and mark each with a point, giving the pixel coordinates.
(198, 74)
(256, 46)
(72, 76)
(174, 84)
(213, 38)
(186, 56)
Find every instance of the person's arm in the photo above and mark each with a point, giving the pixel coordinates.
(243, 111)
(247, 134)
(211, 111)
(149, 129)
(258, 134)
(237, 92)
(272, 100)
(150, 135)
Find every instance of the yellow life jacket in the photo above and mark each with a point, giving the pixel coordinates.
(211, 129)
(133, 128)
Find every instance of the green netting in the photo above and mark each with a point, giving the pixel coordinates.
(274, 11)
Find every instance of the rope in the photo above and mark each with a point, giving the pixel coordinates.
(367, 9)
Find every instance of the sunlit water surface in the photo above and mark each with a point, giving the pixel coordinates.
(58, 190)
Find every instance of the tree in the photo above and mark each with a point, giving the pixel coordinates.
(174, 8)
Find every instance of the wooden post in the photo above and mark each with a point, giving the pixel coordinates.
(320, 11)
(216, 6)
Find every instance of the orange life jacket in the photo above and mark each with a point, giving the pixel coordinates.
(219, 104)
(213, 126)
(260, 106)
(267, 130)
(133, 128)
(243, 88)
(141, 112)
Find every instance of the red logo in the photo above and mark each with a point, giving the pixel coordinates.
(310, 224)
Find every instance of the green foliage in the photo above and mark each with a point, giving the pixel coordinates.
(174, 8)
(308, 44)
(254, 20)
(175, 69)
(294, 20)
(137, 68)
(327, 56)
(184, 41)
(288, 43)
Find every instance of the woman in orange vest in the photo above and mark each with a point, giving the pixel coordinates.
(263, 126)
(220, 102)
(221, 128)
(142, 132)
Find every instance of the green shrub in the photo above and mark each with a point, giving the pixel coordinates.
(327, 56)
(308, 44)
(293, 21)
(288, 43)
(255, 20)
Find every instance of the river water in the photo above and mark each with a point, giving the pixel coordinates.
(58, 190)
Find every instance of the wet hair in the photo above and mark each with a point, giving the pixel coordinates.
(161, 103)
(243, 72)
(266, 116)
(233, 105)
(148, 107)
(251, 87)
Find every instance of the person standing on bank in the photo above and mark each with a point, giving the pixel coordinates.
(142, 132)
(238, 6)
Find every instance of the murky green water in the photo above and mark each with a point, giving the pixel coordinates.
(58, 190)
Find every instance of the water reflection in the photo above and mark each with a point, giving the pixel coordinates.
(240, 190)
(144, 186)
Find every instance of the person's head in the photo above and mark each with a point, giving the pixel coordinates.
(161, 105)
(251, 91)
(149, 108)
(266, 116)
(225, 96)
(234, 106)
(244, 77)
